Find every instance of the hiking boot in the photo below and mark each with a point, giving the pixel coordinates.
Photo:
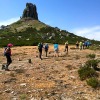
(3, 67)
(6, 68)
(41, 58)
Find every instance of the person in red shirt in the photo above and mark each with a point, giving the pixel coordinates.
(8, 56)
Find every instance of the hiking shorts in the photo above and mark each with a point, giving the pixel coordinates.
(56, 50)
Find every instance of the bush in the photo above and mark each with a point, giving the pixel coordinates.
(96, 47)
(18, 22)
(93, 63)
(93, 82)
(23, 96)
(92, 56)
(86, 72)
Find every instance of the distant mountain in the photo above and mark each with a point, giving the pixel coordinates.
(29, 31)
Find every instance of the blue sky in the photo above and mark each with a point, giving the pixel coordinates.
(81, 17)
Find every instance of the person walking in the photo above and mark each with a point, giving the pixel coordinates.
(66, 46)
(46, 47)
(77, 45)
(40, 46)
(56, 49)
(81, 45)
(7, 53)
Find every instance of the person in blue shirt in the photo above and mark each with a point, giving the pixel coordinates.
(56, 49)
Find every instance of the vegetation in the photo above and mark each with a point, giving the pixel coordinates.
(30, 32)
(93, 63)
(91, 56)
(93, 82)
(95, 47)
(88, 71)
(23, 96)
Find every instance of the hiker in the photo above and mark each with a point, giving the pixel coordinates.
(66, 46)
(8, 56)
(46, 47)
(81, 45)
(40, 46)
(77, 45)
(88, 43)
(56, 49)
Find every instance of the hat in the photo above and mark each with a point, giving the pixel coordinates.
(9, 45)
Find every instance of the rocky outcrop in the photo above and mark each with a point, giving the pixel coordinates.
(30, 11)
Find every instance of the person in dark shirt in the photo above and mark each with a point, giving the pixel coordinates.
(46, 47)
(40, 46)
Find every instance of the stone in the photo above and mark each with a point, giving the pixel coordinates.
(23, 85)
(30, 11)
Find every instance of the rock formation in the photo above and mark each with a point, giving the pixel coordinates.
(30, 11)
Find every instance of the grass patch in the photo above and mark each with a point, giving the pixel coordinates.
(23, 97)
(91, 56)
(86, 72)
(93, 82)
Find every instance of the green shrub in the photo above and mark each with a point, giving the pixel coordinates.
(86, 72)
(93, 63)
(96, 47)
(18, 22)
(92, 56)
(23, 96)
(93, 82)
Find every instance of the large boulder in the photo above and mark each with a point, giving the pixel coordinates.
(30, 11)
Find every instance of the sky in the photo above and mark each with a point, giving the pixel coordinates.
(81, 17)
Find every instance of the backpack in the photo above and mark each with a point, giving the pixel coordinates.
(5, 51)
(46, 46)
(66, 43)
(40, 46)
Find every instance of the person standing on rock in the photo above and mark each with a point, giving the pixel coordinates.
(40, 46)
(8, 57)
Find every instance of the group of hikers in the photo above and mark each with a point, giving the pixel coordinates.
(46, 47)
(7, 52)
(82, 45)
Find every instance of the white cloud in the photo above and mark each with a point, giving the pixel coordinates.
(90, 33)
(9, 21)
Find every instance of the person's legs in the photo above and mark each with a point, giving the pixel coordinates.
(40, 54)
(9, 61)
(3, 67)
(80, 47)
(46, 51)
(67, 49)
(57, 53)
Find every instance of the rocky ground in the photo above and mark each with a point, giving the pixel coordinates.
(53, 78)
